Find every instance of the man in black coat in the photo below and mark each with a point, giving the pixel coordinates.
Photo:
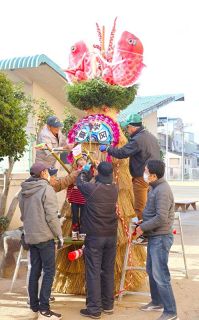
(142, 146)
(100, 225)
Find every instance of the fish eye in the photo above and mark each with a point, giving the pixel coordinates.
(73, 48)
(132, 41)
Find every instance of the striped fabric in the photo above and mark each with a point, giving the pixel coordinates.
(74, 195)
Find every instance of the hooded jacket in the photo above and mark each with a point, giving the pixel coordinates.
(39, 211)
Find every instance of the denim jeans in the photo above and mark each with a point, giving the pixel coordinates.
(157, 269)
(42, 257)
(99, 254)
(77, 213)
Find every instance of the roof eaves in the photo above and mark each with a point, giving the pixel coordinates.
(30, 62)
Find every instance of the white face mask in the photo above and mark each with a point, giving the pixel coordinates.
(48, 179)
(146, 177)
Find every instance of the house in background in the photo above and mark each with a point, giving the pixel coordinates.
(41, 78)
(179, 148)
(148, 106)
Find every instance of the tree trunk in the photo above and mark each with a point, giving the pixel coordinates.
(4, 195)
(12, 207)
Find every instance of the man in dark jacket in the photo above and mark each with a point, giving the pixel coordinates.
(158, 218)
(100, 225)
(142, 146)
(39, 213)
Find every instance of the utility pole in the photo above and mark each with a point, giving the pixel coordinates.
(167, 147)
(182, 152)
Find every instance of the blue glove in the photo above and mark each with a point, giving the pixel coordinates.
(103, 148)
(86, 167)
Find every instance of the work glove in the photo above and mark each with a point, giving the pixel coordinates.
(103, 148)
(62, 220)
(87, 167)
(60, 243)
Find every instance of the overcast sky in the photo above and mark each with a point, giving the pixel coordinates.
(168, 30)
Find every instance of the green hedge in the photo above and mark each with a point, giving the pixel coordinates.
(97, 93)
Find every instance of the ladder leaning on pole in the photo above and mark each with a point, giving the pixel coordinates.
(126, 268)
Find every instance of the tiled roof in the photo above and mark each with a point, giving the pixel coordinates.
(30, 62)
(147, 104)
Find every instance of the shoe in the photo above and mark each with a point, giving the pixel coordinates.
(52, 299)
(151, 307)
(49, 315)
(108, 311)
(166, 316)
(86, 313)
(140, 240)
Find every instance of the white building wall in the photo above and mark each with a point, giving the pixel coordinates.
(150, 122)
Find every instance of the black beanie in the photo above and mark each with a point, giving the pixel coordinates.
(105, 168)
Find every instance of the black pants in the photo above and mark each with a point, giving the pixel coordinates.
(42, 256)
(77, 213)
(99, 256)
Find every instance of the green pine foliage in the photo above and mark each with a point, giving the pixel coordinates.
(69, 121)
(13, 121)
(97, 93)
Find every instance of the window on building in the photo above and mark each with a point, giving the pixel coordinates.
(174, 162)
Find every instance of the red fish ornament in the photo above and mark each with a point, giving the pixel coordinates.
(79, 62)
(127, 61)
(120, 65)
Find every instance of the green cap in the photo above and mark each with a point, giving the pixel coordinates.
(132, 119)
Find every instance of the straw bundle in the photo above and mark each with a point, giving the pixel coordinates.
(70, 275)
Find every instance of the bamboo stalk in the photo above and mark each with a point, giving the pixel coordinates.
(57, 158)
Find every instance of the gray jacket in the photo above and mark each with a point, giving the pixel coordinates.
(158, 215)
(47, 137)
(142, 146)
(39, 211)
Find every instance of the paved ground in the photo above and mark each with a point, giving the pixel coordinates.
(185, 192)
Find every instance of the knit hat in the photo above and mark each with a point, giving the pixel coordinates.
(105, 168)
(83, 155)
(105, 172)
(133, 120)
(37, 168)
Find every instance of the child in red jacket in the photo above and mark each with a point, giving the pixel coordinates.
(76, 198)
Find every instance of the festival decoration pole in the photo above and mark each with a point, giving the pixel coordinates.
(102, 96)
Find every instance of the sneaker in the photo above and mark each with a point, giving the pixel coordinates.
(52, 299)
(151, 307)
(49, 315)
(140, 240)
(166, 316)
(86, 313)
(108, 311)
